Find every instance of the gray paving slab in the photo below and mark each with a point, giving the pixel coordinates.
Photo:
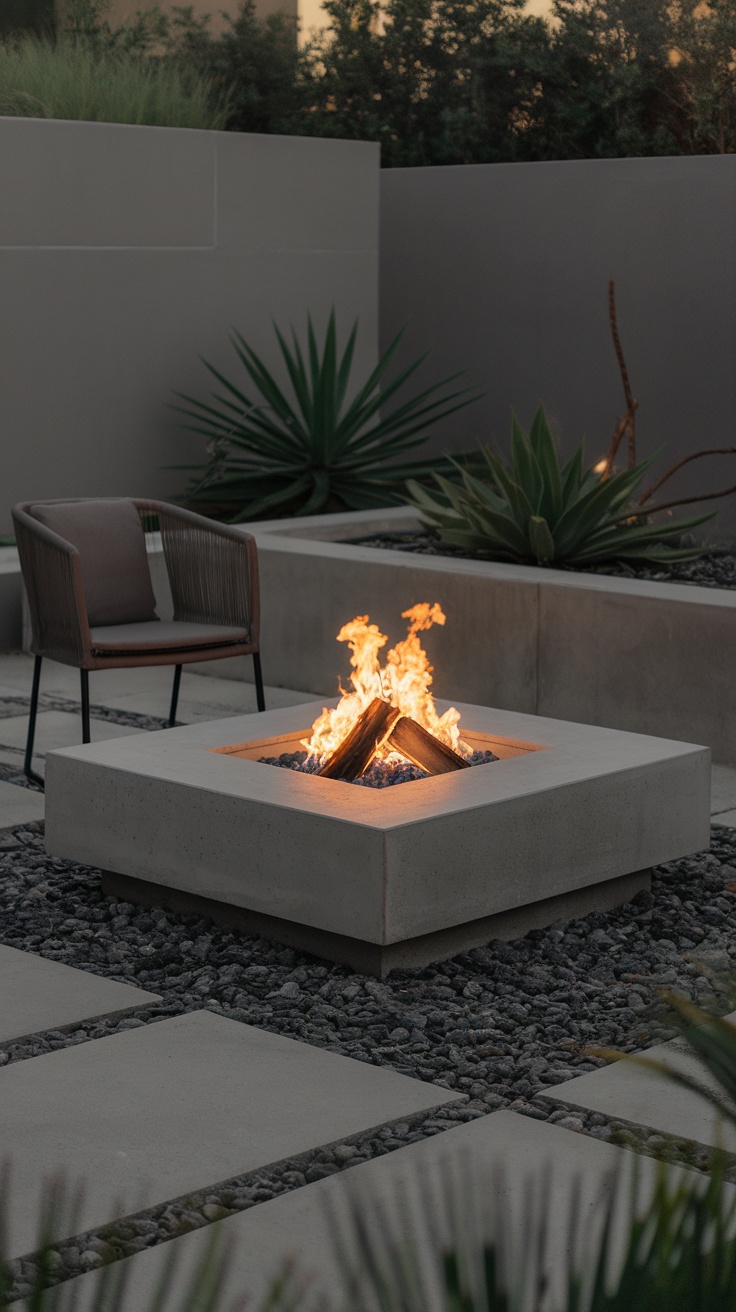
(202, 699)
(19, 806)
(160, 1111)
(37, 995)
(722, 788)
(147, 691)
(629, 1092)
(298, 1225)
(725, 818)
(57, 729)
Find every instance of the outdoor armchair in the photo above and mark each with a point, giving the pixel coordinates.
(85, 569)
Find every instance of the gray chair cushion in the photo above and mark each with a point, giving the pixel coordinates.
(112, 551)
(164, 635)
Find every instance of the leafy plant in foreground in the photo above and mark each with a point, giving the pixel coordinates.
(201, 1289)
(458, 1240)
(322, 447)
(455, 1243)
(535, 510)
(663, 1246)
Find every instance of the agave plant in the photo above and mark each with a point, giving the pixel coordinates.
(324, 445)
(535, 510)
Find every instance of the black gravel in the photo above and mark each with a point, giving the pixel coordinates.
(716, 568)
(503, 1024)
(380, 774)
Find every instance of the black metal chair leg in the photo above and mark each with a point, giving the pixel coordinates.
(28, 760)
(175, 696)
(260, 699)
(85, 705)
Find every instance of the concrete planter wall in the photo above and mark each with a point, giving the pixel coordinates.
(128, 252)
(654, 658)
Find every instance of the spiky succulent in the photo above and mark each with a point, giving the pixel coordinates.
(320, 444)
(535, 510)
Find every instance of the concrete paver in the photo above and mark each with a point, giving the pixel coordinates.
(725, 818)
(156, 1112)
(19, 806)
(298, 1225)
(722, 789)
(37, 994)
(147, 691)
(630, 1092)
(57, 729)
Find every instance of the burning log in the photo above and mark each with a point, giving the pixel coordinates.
(382, 724)
(423, 749)
(357, 750)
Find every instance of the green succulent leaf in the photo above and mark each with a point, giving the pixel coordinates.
(316, 443)
(540, 540)
(534, 510)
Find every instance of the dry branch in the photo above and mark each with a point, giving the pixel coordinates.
(625, 425)
(357, 750)
(423, 749)
(694, 455)
(689, 501)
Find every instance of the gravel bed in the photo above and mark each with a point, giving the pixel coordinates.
(380, 774)
(716, 568)
(501, 1024)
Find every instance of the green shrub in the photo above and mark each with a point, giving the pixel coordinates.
(314, 449)
(27, 16)
(536, 511)
(71, 80)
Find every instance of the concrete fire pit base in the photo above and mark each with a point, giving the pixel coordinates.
(569, 820)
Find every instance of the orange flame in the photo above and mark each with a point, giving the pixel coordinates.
(404, 681)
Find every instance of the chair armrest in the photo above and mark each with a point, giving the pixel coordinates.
(52, 575)
(212, 569)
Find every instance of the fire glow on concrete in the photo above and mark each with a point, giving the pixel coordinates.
(380, 878)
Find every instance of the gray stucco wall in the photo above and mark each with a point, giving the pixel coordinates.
(126, 252)
(503, 270)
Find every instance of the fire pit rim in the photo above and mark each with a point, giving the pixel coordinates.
(180, 755)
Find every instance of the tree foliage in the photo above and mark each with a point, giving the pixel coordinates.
(459, 81)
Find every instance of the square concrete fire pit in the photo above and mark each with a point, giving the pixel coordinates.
(570, 819)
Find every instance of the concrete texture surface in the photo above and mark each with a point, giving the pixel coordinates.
(726, 818)
(722, 789)
(381, 866)
(491, 1161)
(595, 649)
(42, 995)
(635, 657)
(160, 1111)
(128, 252)
(525, 253)
(486, 654)
(11, 616)
(379, 959)
(630, 1092)
(19, 806)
